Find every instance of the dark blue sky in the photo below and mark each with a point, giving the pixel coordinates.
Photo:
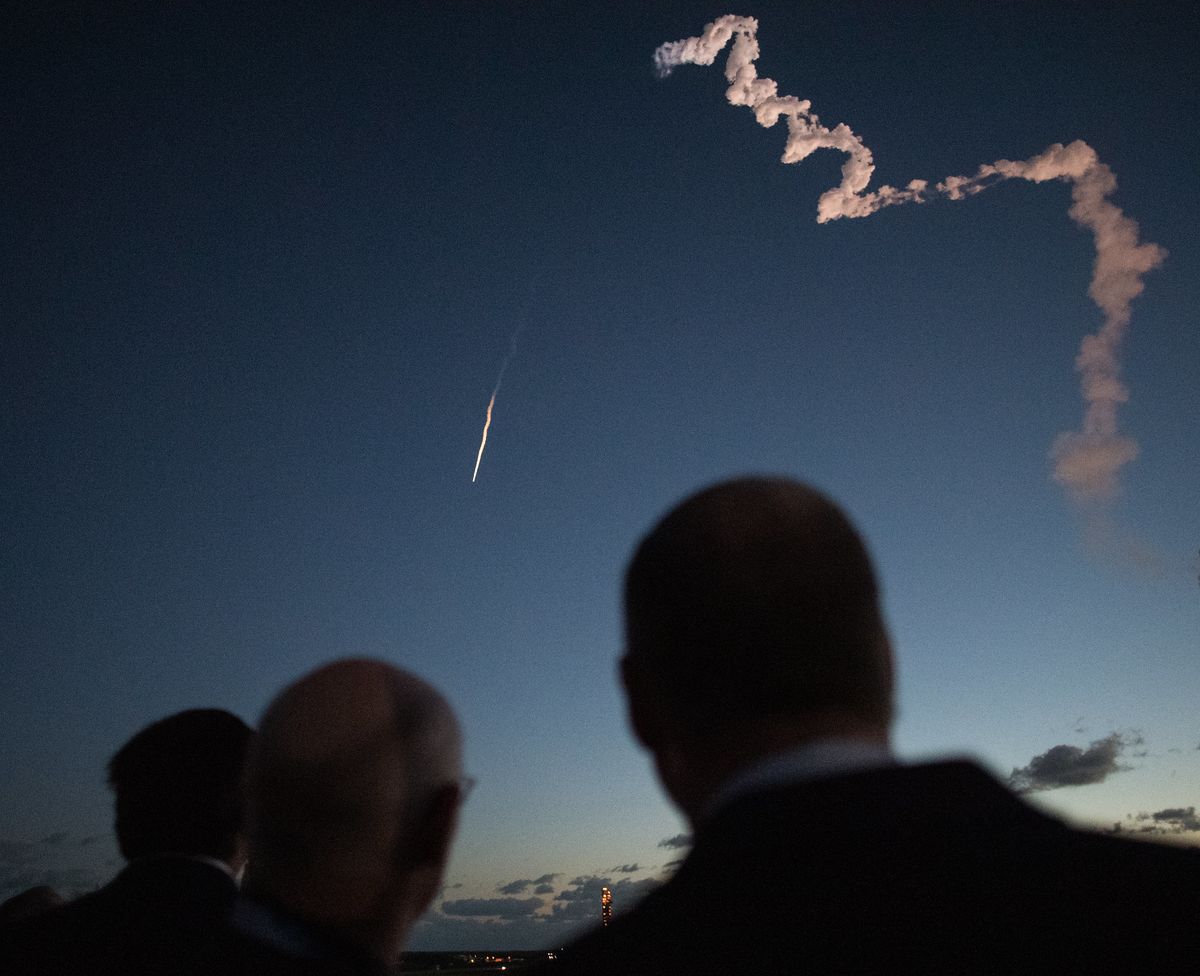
(261, 266)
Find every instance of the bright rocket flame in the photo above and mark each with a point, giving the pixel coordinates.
(512, 351)
(512, 348)
(483, 442)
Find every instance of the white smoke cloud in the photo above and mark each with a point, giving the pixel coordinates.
(1086, 462)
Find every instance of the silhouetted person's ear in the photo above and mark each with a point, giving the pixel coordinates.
(645, 708)
(431, 841)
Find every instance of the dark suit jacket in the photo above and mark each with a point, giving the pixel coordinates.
(151, 918)
(260, 939)
(932, 869)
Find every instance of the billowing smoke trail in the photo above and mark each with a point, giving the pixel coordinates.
(1086, 463)
(806, 134)
(512, 348)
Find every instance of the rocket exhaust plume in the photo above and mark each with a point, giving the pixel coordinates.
(1086, 462)
(512, 348)
(483, 441)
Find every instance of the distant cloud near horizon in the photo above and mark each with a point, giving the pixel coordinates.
(522, 923)
(492, 907)
(581, 901)
(580, 882)
(1065, 765)
(1176, 820)
(521, 884)
(51, 861)
(677, 842)
(515, 923)
(626, 868)
(1172, 820)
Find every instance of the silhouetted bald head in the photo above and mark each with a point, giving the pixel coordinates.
(29, 903)
(353, 765)
(755, 599)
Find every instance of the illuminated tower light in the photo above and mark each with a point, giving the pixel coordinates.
(605, 907)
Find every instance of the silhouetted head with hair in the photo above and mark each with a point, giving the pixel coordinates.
(752, 623)
(178, 786)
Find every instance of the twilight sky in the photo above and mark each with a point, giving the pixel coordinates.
(262, 268)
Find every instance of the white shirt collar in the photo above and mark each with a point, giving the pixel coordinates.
(813, 760)
(202, 858)
(215, 862)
